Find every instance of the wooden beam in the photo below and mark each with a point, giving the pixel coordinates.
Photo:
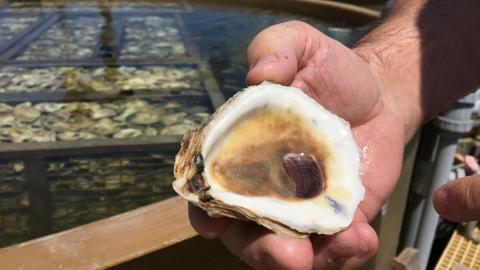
(107, 242)
(339, 6)
(389, 223)
(407, 260)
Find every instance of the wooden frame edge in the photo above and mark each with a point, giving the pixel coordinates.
(107, 242)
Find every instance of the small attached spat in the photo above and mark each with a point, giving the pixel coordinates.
(273, 155)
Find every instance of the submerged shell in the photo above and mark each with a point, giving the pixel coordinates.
(6, 119)
(49, 107)
(128, 133)
(145, 118)
(274, 156)
(25, 112)
(102, 113)
(4, 108)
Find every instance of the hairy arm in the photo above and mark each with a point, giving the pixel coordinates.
(426, 55)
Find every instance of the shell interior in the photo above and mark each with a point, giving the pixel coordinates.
(275, 156)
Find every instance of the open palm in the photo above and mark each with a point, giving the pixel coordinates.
(296, 54)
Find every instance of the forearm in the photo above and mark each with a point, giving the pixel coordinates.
(426, 55)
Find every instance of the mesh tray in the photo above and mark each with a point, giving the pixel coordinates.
(460, 250)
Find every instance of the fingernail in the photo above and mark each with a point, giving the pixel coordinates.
(266, 59)
(441, 198)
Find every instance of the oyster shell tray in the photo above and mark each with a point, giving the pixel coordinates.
(15, 26)
(103, 36)
(97, 81)
(51, 129)
(77, 190)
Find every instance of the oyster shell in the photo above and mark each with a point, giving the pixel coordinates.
(102, 113)
(25, 112)
(128, 133)
(177, 129)
(274, 156)
(49, 107)
(144, 118)
(171, 119)
(5, 108)
(6, 119)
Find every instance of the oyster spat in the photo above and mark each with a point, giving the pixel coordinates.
(274, 156)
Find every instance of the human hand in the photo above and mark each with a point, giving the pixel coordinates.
(459, 200)
(296, 54)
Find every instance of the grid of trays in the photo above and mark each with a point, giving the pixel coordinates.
(70, 111)
(96, 6)
(100, 36)
(100, 102)
(69, 38)
(94, 127)
(12, 26)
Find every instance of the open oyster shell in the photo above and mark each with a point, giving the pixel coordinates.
(273, 155)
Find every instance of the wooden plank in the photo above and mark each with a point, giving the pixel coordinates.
(329, 11)
(13, 151)
(339, 6)
(389, 224)
(407, 260)
(107, 242)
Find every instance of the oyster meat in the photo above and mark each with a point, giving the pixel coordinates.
(273, 155)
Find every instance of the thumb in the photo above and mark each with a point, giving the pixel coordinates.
(459, 200)
(275, 53)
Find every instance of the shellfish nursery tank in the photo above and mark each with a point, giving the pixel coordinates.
(94, 98)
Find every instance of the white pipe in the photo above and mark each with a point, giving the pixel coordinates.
(441, 171)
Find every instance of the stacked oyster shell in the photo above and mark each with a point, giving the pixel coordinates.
(152, 37)
(122, 119)
(70, 38)
(274, 156)
(12, 26)
(164, 79)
